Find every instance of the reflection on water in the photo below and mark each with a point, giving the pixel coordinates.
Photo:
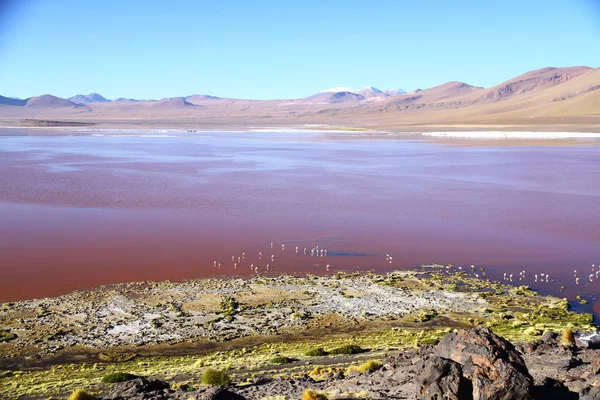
(77, 212)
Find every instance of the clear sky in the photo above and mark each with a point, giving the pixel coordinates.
(283, 48)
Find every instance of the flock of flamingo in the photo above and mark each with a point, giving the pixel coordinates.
(262, 263)
(244, 259)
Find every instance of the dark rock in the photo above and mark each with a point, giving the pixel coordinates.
(551, 389)
(590, 393)
(441, 378)
(549, 336)
(219, 393)
(139, 389)
(525, 348)
(261, 380)
(570, 363)
(493, 365)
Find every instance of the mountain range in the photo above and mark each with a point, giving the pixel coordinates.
(547, 96)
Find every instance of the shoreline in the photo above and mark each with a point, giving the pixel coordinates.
(476, 135)
(147, 314)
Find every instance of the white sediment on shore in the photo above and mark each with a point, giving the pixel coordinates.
(514, 135)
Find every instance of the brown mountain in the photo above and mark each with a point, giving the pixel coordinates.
(532, 81)
(49, 101)
(444, 91)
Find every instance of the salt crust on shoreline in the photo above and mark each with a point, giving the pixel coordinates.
(513, 135)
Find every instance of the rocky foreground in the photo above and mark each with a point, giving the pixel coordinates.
(470, 364)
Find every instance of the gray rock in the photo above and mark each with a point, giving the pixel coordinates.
(590, 393)
(493, 365)
(139, 389)
(596, 365)
(441, 378)
(549, 337)
(572, 362)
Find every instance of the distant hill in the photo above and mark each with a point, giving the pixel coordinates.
(366, 92)
(199, 98)
(12, 102)
(443, 92)
(342, 97)
(125, 100)
(173, 102)
(49, 101)
(370, 91)
(394, 92)
(88, 98)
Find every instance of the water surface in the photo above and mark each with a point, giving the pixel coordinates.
(80, 211)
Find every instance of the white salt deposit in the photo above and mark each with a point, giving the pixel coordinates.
(514, 135)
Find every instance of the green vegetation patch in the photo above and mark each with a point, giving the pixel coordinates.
(119, 377)
(316, 352)
(281, 360)
(348, 349)
(229, 307)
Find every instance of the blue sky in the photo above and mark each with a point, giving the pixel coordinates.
(283, 48)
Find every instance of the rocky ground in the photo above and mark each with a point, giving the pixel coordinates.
(469, 364)
(174, 331)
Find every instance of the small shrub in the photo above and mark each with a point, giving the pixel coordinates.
(567, 337)
(532, 331)
(215, 377)
(348, 349)
(424, 316)
(119, 377)
(6, 336)
(318, 352)
(229, 307)
(80, 394)
(281, 360)
(370, 366)
(310, 394)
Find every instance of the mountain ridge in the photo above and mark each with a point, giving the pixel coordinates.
(545, 94)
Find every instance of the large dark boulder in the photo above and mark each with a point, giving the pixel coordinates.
(139, 389)
(441, 378)
(493, 365)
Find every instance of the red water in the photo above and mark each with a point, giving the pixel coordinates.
(77, 212)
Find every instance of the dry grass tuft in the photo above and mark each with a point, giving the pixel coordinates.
(567, 338)
(310, 394)
(80, 394)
